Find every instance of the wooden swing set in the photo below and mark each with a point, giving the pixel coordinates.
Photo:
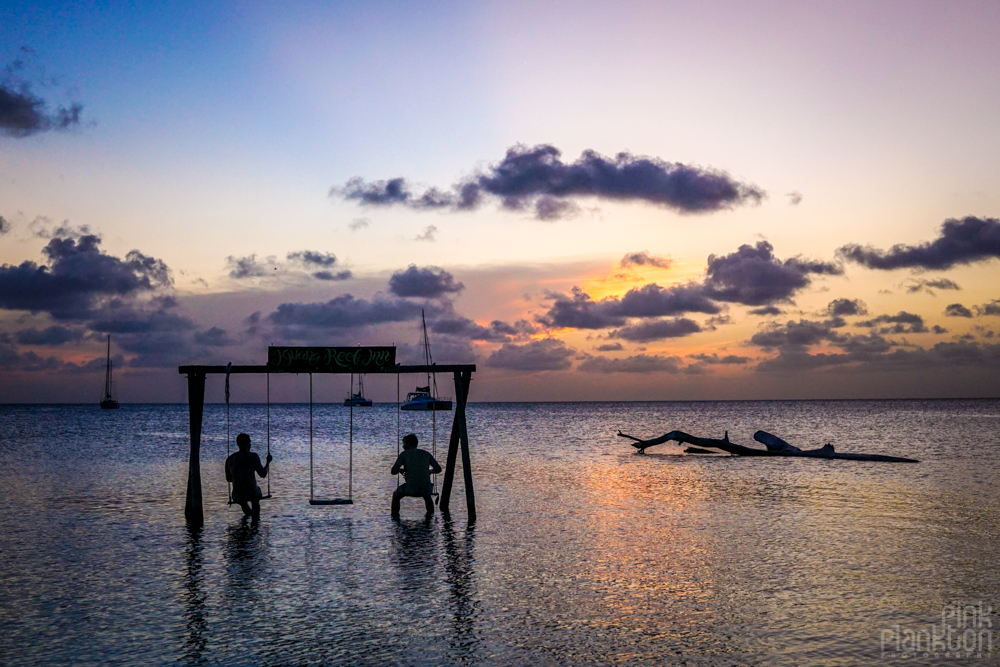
(330, 360)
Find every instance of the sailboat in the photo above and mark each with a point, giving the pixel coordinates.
(423, 398)
(108, 402)
(358, 400)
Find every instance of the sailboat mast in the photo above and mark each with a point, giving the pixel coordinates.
(107, 372)
(427, 352)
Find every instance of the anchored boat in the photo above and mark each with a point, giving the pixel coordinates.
(426, 398)
(108, 402)
(358, 400)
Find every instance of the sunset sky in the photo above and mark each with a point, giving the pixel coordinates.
(590, 201)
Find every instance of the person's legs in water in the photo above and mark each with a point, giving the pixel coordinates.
(246, 508)
(255, 509)
(396, 495)
(429, 503)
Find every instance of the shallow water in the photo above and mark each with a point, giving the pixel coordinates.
(583, 552)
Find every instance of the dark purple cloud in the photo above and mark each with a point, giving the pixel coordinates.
(610, 347)
(915, 285)
(375, 193)
(213, 337)
(330, 275)
(639, 363)
(841, 307)
(752, 275)
(537, 177)
(324, 260)
(241, 268)
(755, 277)
(342, 312)
(880, 356)
(645, 258)
(78, 275)
(129, 320)
(654, 301)
(962, 241)
(728, 360)
(902, 322)
(428, 282)
(497, 330)
(801, 334)
(4, 225)
(50, 336)
(957, 310)
(766, 311)
(12, 359)
(579, 311)
(645, 332)
(23, 113)
(991, 308)
(547, 354)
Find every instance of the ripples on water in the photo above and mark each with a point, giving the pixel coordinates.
(584, 553)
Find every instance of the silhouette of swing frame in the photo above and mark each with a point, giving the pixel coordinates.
(331, 360)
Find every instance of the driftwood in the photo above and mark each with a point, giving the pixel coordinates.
(775, 447)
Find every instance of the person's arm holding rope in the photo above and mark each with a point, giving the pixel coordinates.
(262, 471)
(397, 467)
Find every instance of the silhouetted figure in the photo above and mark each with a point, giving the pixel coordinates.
(416, 466)
(240, 470)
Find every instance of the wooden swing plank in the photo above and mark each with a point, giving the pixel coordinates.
(331, 501)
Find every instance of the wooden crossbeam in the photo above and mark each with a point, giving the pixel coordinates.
(260, 369)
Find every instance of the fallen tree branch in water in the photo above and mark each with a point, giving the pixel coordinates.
(775, 447)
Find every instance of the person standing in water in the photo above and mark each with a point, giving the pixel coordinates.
(416, 466)
(240, 470)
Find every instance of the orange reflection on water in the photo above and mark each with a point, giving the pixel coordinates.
(653, 565)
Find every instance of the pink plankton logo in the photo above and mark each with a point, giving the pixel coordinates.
(965, 632)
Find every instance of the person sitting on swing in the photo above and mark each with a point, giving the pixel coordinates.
(240, 470)
(416, 466)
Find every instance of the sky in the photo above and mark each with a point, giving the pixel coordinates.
(589, 201)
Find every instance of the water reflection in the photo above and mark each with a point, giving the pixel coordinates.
(415, 555)
(194, 600)
(459, 564)
(245, 553)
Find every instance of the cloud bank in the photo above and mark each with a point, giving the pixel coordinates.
(537, 178)
(962, 241)
(429, 282)
(22, 112)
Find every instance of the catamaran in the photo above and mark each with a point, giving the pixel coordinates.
(426, 398)
(108, 402)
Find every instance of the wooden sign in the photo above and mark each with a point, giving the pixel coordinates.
(331, 359)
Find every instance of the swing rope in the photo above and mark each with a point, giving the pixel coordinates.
(229, 485)
(350, 450)
(268, 432)
(350, 479)
(397, 424)
(311, 494)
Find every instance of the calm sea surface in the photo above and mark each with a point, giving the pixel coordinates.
(583, 552)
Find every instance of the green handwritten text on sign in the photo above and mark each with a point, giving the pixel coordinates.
(331, 359)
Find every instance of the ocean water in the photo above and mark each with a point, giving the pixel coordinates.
(583, 552)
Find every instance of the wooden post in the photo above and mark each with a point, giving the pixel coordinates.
(449, 467)
(463, 433)
(459, 435)
(196, 403)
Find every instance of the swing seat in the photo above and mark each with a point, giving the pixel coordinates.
(331, 501)
(233, 502)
